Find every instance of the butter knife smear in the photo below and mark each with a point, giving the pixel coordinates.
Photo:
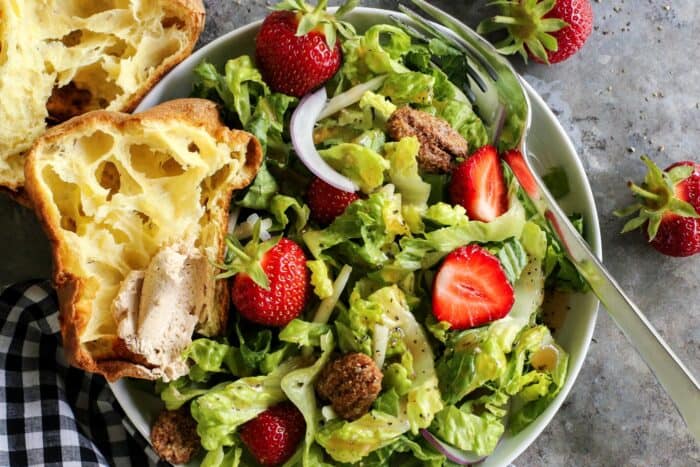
(673, 375)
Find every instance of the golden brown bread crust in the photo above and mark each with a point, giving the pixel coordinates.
(194, 11)
(111, 358)
(188, 15)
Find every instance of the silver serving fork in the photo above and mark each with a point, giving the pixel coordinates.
(493, 74)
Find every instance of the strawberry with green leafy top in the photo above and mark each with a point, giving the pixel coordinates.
(668, 207)
(270, 284)
(297, 48)
(549, 31)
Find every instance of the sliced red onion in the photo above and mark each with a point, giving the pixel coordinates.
(458, 456)
(301, 130)
(351, 96)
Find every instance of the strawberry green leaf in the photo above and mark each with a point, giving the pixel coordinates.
(307, 24)
(346, 8)
(537, 49)
(247, 259)
(628, 211)
(680, 173)
(526, 27)
(682, 208)
(329, 30)
(653, 227)
(319, 19)
(553, 24)
(542, 8)
(634, 224)
(548, 41)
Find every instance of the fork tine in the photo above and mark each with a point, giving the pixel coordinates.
(430, 29)
(436, 14)
(409, 29)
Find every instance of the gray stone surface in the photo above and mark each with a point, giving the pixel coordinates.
(635, 85)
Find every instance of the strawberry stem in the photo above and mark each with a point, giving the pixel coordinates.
(646, 194)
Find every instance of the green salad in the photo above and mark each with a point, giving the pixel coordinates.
(373, 271)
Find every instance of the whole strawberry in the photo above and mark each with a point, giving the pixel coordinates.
(284, 296)
(327, 202)
(669, 208)
(273, 436)
(549, 31)
(297, 49)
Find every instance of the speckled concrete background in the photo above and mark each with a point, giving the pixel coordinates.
(634, 89)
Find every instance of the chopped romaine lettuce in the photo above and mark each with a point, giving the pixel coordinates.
(220, 457)
(403, 172)
(320, 278)
(405, 452)
(513, 258)
(365, 230)
(377, 52)
(303, 333)
(280, 204)
(222, 410)
(465, 430)
(383, 108)
(409, 88)
(298, 386)
(360, 164)
(351, 441)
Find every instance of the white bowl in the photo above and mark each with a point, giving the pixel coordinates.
(547, 139)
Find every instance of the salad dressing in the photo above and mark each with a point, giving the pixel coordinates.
(555, 309)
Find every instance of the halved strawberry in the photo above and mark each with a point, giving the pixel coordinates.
(471, 289)
(478, 185)
(515, 161)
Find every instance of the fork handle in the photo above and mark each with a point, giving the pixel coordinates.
(668, 369)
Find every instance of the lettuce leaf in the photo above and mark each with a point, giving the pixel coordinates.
(320, 278)
(298, 386)
(281, 204)
(222, 410)
(303, 333)
(425, 251)
(377, 52)
(513, 258)
(409, 88)
(365, 231)
(179, 392)
(405, 452)
(403, 172)
(261, 192)
(380, 105)
(462, 118)
(351, 441)
(360, 164)
(536, 374)
(222, 458)
(465, 430)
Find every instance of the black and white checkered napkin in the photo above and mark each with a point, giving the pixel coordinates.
(50, 413)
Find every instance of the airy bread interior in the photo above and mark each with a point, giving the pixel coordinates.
(62, 58)
(113, 189)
